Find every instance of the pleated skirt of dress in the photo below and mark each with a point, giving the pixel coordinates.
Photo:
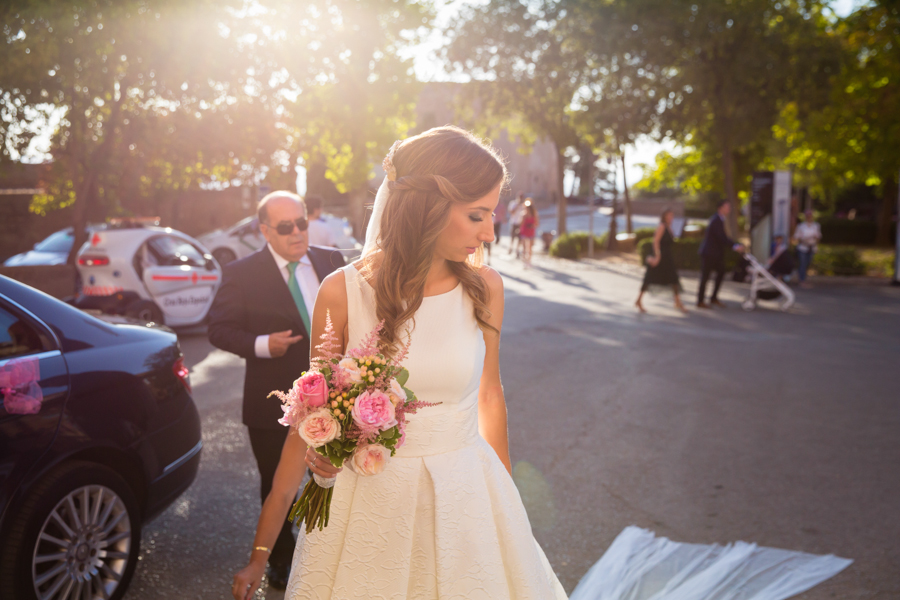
(448, 526)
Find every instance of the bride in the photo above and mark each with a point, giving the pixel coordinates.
(444, 520)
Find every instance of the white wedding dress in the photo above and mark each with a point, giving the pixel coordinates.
(444, 520)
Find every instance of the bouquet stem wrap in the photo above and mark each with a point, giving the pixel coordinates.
(325, 482)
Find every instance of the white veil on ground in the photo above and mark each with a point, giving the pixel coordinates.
(642, 566)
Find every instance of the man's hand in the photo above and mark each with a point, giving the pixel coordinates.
(280, 341)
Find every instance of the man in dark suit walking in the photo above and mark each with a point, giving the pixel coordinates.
(262, 313)
(712, 254)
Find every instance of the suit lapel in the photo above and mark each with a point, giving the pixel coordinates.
(314, 259)
(282, 300)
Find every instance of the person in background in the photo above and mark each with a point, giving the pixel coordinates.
(319, 233)
(712, 254)
(661, 266)
(780, 263)
(501, 216)
(527, 230)
(515, 221)
(262, 314)
(807, 236)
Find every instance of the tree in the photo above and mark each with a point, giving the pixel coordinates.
(346, 93)
(525, 71)
(620, 96)
(726, 68)
(854, 138)
(108, 66)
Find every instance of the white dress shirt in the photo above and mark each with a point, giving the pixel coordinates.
(320, 234)
(309, 287)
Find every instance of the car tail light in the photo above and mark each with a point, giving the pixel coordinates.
(182, 373)
(93, 261)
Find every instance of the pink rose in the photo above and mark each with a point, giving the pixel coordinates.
(319, 428)
(351, 370)
(373, 409)
(370, 459)
(313, 389)
(398, 394)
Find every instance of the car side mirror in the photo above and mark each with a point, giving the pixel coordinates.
(210, 264)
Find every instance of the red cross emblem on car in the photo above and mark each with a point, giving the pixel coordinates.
(95, 239)
(194, 278)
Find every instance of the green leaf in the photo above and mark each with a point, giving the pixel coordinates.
(402, 377)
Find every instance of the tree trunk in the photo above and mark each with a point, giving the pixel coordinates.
(90, 165)
(885, 220)
(81, 180)
(560, 192)
(730, 193)
(629, 227)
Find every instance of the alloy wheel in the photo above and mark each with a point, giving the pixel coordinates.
(83, 546)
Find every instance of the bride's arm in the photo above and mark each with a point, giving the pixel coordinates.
(288, 477)
(331, 298)
(491, 404)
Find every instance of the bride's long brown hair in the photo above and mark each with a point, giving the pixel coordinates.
(434, 170)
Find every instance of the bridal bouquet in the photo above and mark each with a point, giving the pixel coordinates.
(351, 409)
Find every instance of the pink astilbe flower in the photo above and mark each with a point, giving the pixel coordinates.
(292, 406)
(329, 349)
(369, 344)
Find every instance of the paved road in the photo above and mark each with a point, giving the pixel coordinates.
(775, 428)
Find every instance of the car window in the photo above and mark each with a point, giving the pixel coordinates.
(251, 227)
(61, 241)
(168, 250)
(18, 337)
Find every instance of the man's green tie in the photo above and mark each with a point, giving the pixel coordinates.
(297, 294)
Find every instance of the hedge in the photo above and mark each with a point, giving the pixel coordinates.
(643, 233)
(845, 231)
(686, 253)
(575, 245)
(838, 260)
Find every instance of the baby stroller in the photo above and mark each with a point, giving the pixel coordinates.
(765, 286)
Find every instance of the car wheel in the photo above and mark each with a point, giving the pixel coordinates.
(77, 536)
(144, 310)
(223, 256)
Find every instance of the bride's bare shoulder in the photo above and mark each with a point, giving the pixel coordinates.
(495, 286)
(333, 291)
(491, 277)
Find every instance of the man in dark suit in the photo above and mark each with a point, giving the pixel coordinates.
(712, 254)
(262, 313)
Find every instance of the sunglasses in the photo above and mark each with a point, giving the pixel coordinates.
(287, 227)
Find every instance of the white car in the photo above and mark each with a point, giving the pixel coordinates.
(52, 250)
(149, 273)
(244, 238)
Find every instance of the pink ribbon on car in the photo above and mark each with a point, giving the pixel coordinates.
(19, 384)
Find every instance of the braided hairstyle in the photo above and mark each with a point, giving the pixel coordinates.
(434, 170)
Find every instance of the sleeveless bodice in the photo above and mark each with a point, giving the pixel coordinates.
(445, 361)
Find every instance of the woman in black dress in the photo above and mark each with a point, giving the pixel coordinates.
(661, 266)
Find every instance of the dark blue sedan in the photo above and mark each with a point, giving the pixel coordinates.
(98, 434)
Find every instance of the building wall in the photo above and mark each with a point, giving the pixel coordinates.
(533, 173)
